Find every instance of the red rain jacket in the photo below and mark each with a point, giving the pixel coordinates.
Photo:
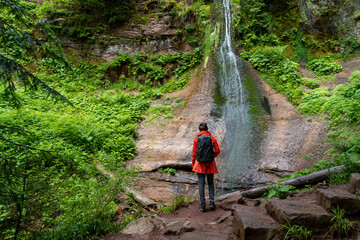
(201, 167)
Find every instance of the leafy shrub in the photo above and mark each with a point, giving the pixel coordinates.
(265, 59)
(295, 232)
(176, 83)
(351, 46)
(300, 49)
(310, 82)
(190, 28)
(158, 110)
(279, 71)
(253, 25)
(356, 16)
(279, 190)
(85, 19)
(323, 66)
(170, 171)
(314, 101)
(154, 69)
(59, 148)
(341, 226)
(341, 106)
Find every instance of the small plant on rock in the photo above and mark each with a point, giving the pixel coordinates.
(341, 226)
(295, 232)
(280, 191)
(170, 171)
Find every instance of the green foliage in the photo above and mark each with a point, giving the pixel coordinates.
(158, 110)
(280, 72)
(279, 190)
(200, 10)
(170, 171)
(178, 202)
(57, 186)
(341, 226)
(20, 45)
(295, 232)
(356, 16)
(314, 101)
(253, 25)
(88, 209)
(175, 84)
(300, 49)
(84, 19)
(323, 66)
(154, 70)
(310, 82)
(351, 46)
(50, 185)
(341, 106)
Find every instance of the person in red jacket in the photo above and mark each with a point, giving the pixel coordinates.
(205, 169)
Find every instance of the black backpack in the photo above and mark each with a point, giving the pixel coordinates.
(205, 149)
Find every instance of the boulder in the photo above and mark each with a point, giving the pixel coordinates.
(299, 212)
(224, 217)
(157, 221)
(354, 183)
(228, 203)
(178, 226)
(336, 196)
(250, 223)
(139, 226)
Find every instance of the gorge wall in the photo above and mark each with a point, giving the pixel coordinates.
(289, 140)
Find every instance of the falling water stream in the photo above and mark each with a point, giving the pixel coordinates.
(240, 147)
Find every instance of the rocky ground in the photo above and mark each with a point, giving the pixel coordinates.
(242, 218)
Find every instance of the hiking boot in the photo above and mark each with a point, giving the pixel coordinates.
(212, 206)
(202, 207)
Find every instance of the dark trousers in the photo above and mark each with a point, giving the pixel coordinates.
(210, 181)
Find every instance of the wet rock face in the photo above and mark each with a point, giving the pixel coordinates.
(289, 135)
(330, 17)
(155, 36)
(169, 143)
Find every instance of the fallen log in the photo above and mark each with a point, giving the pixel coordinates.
(311, 178)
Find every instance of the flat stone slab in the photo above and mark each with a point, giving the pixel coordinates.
(250, 223)
(333, 197)
(354, 183)
(177, 226)
(300, 213)
(204, 235)
(139, 226)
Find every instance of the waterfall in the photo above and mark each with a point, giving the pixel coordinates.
(239, 153)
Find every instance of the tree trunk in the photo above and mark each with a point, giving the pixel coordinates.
(311, 178)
